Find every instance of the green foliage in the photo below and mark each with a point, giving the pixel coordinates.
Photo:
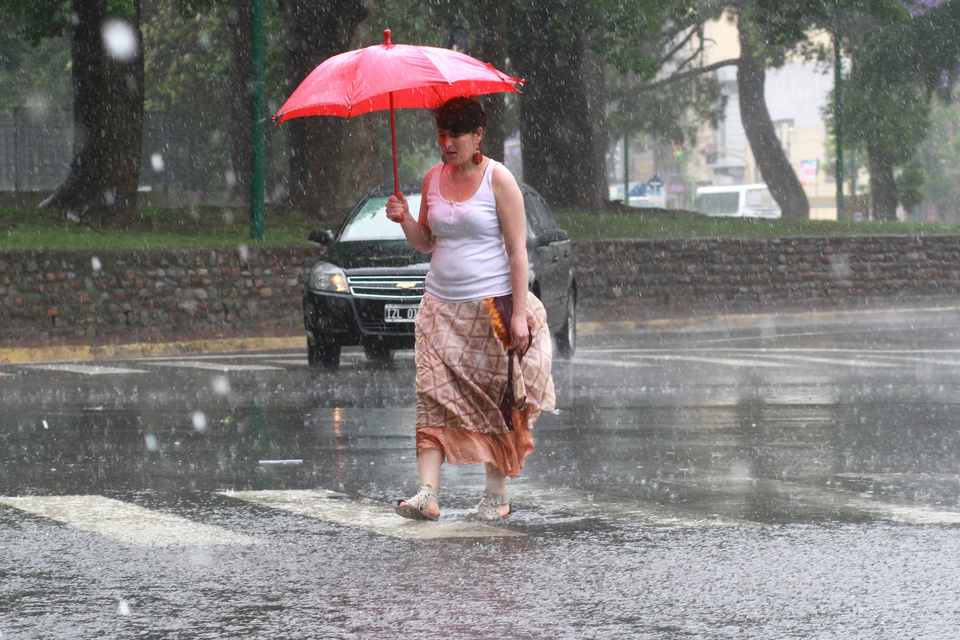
(34, 20)
(940, 158)
(910, 184)
(898, 64)
(187, 67)
(155, 228)
(656, 223)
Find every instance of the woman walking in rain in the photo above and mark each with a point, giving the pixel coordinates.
(483, 350)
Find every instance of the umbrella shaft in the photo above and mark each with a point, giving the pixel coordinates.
(393, 144)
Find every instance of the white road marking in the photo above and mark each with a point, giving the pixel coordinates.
(367, 515)
(856, 362)
(223, 368)
(610, 363)
(730, 362)
(612, 508)
(85, 369)
(127, 523)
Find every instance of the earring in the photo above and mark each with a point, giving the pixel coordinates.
(477, 156)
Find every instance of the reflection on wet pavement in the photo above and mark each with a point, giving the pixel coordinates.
(740, 483)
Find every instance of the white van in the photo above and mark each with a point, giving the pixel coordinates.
(737, 200)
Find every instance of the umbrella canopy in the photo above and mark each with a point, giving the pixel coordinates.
(368, 79)
(392, 76)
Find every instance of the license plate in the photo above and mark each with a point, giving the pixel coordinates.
(400, 312)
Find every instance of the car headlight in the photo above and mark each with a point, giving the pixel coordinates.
(328, 277)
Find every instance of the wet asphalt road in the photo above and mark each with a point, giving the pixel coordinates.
(761, 477)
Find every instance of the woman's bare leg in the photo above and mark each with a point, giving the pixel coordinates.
(497, 484)
(428, 466)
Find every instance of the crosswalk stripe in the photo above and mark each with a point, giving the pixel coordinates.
(213, 366)
(125, 522)
(85, 369)
(602, 506)
(367, 515)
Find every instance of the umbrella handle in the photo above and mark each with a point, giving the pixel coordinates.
(393, 143)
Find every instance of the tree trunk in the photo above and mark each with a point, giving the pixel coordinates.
(101, 187)
(238, 22)
(883, 185)
(773, 163)
(316, 30)
(491, 47)
(561, 116)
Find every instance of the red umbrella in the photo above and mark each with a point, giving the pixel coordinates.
(392, 76)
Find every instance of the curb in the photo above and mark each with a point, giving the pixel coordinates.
(81, 353)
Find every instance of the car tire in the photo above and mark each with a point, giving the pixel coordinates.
(322, 353)
(566, 338)
(378, 352)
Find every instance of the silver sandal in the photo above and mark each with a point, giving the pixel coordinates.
(489, 507)
(418, 507)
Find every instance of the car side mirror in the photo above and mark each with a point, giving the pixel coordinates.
(550, 236)
(324, 237)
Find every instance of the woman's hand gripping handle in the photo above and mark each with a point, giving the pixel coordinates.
(397, 208)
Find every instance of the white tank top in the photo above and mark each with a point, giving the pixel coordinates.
(469, 259)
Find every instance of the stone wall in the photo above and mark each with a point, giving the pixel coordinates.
(749, 273)
(153, 294)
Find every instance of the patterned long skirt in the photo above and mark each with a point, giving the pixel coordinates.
(476, 402)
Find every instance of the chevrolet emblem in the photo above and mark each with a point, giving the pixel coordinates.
(406, 285)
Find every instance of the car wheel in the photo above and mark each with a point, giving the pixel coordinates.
(378, 352)
(566, 338)
(322, 353)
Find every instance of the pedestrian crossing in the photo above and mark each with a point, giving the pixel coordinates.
(587, 358)
(539, 506)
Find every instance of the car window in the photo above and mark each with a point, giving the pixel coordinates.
(547, 219)
(371, 221)
(534, 219)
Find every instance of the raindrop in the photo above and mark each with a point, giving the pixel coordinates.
(244, 251)
(231, 177)
(199, 421)
(123, 609)
(120, 40)
(221, 385)
(95, 263)
(156, 162)
(151, 441)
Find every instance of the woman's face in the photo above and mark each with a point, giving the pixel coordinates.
(458, 150)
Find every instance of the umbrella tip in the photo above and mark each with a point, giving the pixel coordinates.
(386, 36)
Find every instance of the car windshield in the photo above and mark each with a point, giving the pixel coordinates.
(371, 222)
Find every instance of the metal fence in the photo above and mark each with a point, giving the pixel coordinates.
(36, 150)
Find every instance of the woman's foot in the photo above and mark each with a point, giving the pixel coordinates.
(493, 506)
(422, 506)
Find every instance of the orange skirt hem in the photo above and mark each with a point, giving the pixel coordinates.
(506, 451)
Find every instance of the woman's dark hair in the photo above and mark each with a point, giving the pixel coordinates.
(460, 115)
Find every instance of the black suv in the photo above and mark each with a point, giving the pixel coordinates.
(367, 288)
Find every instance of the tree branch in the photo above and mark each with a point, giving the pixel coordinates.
(731, 62)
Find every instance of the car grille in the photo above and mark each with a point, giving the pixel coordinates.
(394, 288)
